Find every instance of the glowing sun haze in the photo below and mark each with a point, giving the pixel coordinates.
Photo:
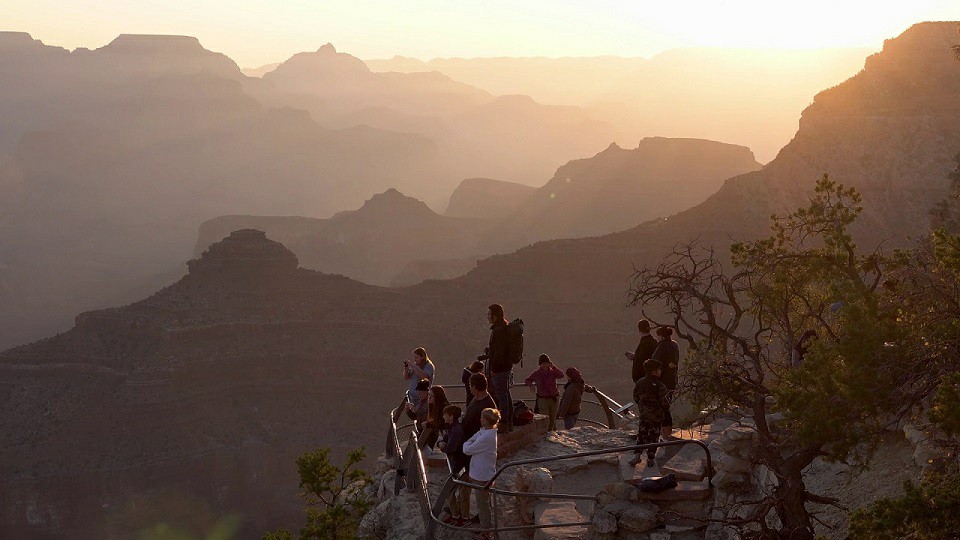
(255, 32)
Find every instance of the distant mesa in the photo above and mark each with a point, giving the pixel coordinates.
(487, 198)
(245, 251)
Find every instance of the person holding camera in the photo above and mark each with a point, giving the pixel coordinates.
(415, 368)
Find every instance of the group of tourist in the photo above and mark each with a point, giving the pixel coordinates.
(468, 436)
(655, 366)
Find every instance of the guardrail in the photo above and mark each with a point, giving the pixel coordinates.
(411, 472)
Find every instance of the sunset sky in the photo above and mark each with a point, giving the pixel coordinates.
(255, 32)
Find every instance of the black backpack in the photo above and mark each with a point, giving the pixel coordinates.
(515, 341)
(522, 415)
(656, 484)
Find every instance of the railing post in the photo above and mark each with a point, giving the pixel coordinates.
(605, 405)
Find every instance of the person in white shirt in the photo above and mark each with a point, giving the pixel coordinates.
(482, 449)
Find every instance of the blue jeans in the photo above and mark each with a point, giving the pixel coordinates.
(500, 390)
(570, 420)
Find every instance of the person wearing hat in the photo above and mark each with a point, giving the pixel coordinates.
(569, 408)
(543, 383)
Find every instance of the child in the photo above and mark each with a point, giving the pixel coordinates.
(452, 445)
(545, 378)
(482, 449)
(650, 396)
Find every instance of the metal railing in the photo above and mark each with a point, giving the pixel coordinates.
(411, 472)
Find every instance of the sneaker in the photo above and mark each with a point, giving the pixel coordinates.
(450, 520)
(651, 462)
(461, 522)
(635, 460)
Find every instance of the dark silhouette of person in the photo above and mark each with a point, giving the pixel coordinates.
(668, 354)
(644, 351)
(500, 365)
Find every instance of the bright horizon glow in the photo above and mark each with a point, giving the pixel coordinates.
(254, 32)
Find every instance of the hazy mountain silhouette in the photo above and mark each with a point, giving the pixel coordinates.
(398, 240)
(206, 391)
(477, 133)
(112, 158)
(746, 96)
(487, 198)
(618, 189)
(259, 71)
(372, 244)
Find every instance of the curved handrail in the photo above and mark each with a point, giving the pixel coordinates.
(410, 460)
(452, 482)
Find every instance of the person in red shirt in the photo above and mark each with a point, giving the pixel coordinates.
(543, 383)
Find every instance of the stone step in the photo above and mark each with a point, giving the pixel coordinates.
(690, 463)
(555, 512)
(685, 491)
(633, 473)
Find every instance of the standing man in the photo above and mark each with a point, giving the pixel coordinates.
(500, 365)
(668, 354)
(644, 351)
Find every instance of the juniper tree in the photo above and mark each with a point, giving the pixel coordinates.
(335, 495)
(741, 323)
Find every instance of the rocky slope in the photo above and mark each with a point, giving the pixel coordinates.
(206, 391)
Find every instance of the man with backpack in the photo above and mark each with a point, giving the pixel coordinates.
(505, 349)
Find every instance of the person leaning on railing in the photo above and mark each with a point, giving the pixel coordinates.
(569, 409)
(482, 449)
(452, 445)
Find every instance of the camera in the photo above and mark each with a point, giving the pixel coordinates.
(486, 354)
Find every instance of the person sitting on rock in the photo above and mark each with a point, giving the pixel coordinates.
(436, 403)
(452, 445)
(418, 409)
(569, 408)
(650, 396)
(482, 449)
(543, 383)
(417, 367)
